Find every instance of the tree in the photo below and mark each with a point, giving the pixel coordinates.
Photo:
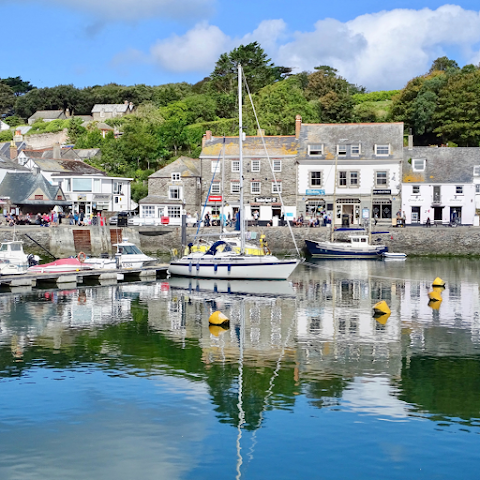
(443, 64)
(7, 98)
(258, 69)
(336, 107)
(75, 130)
(19, 86)
(457, 116)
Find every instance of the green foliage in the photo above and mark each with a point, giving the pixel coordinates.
(139, 191)
(379, 96)
(6, 136)
(443, 64)
(13, 121)
(75, 130)
(19, 86)
(48, 127)
(7, 98)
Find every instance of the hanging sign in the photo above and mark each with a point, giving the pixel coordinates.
(215, 198)
(314, 191)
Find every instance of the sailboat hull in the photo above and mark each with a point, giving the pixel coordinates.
(232, 268)
(343, 250)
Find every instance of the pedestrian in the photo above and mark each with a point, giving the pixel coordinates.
(255, 217)
(375, 218)
(207, 220)
(81, 217)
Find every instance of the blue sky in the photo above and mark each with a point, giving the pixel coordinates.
(380, 45)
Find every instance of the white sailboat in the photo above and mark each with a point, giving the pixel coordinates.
(220, 260)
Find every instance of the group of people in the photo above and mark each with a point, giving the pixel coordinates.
(320, 220)
(54, 218)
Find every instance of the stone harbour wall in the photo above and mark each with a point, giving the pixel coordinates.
(162, 240)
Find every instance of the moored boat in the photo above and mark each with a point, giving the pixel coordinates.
(357, 247)
(63, 265)
(13, 260)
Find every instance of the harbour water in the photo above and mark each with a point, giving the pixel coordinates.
(130, 381)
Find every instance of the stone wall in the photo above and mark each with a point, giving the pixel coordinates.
(45, 140)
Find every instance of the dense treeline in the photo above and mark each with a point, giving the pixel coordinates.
(442, 106)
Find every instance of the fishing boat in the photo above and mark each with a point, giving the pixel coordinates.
(128, 255)
(13, 260)
(358, 246)
(221, 260)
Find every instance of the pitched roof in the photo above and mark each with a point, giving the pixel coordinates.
(5, 149)
(69, 167)
(156, 200)
(6, 164)
(279, 145)
(112, 107)
(442, 164)
(86, 153)
(186, 166)
(48, 114)
(20, 187)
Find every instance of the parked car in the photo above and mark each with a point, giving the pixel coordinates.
(129, 213)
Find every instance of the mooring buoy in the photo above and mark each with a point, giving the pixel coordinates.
(381, 307)
(438, 282)
(218, 318)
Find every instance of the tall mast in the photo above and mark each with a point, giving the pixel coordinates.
(240, 157)
(334, 216)
(222, 189)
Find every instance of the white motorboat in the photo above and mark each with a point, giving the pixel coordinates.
(128, 255)
(394, 255)
(220, 260)
(13, 260)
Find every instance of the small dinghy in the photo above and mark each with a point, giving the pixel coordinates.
(63, 265)
(394, 255)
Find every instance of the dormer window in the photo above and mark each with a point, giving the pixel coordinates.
(355, 150)
(315, 150)
(341, 150)
(175, 177)
(382, 150)
(418, 164)
(476, 171)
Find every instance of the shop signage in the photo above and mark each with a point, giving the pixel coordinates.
(82, 198)
(314, 191)
(265, 199)
(215, 198)
(382, 192)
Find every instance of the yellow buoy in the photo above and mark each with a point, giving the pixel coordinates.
(436, 294)
(381, 307)
(218, 318)
(382, 319)
(434, 305)
(217, 330)
(438, 282)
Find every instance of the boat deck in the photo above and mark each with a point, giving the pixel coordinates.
(71, 279)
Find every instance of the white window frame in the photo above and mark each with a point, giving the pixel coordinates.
(349, 178)
(255, 165)
(417, 167)
(339, 177)
(216, 166)
(415, 189)
(315, 150)
(277, 165)
(176, 177)
(235, 191)
(277, 187)
(315, 185)
(174, 211)
(477, 188)
(476, 171)
(174, 197)
(381, 147)
(97, 185)
(235, 166)
(148, 211)
(254, 191)
(381, 185)
(342, 150)
(356, 146)
(458, 189)
(215, 190)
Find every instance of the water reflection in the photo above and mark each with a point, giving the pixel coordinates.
(307, 346)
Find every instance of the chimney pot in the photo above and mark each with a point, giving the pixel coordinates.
(13, 151)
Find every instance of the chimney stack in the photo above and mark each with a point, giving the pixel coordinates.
(13, 151)
(298, 125)
(410, 142)
(208, 135)
(56, 151)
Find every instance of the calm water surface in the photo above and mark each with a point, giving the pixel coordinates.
(129, 381)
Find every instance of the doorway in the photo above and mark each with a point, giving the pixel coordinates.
(438, 213)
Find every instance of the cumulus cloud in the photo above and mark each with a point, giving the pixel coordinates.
(380, 51)
(133, 10)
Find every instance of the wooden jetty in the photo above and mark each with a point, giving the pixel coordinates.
(73, 279)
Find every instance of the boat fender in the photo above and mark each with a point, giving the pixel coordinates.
(438, 282)
(218, 318)
(229, 268)
(81, 257)
(190, 267)
(198, 267)
(215, 267)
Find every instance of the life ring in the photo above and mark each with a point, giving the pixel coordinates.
(81, 257)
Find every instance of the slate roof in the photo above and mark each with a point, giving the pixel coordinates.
(112, 108)
(48, 115)
(186, 166)
(67, 167)
(86, 153)
(20, 186)
(13, 166)
(104, 126)
(156, 200)
(252, 146)
(443, 164)
(5, 149)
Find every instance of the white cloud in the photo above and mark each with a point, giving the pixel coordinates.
(380, 51)
(197, 50)
(133, 10)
